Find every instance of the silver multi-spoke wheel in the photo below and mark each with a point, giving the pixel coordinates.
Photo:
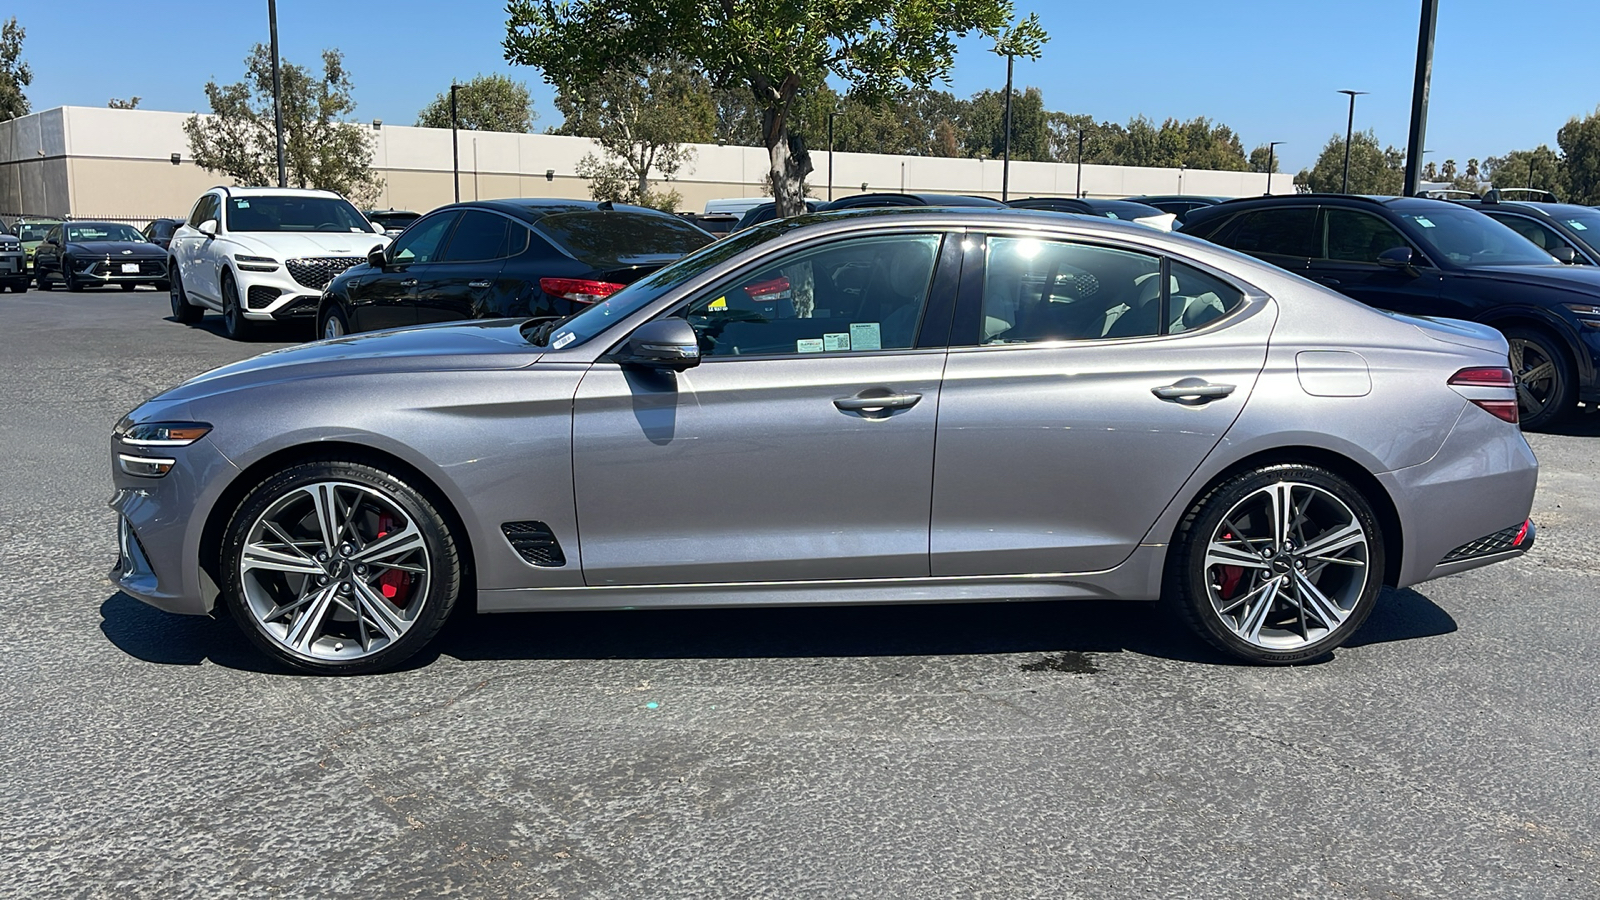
(333, 327)
(334, 571)
(1286, 566)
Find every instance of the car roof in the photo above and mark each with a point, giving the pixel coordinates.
(853, 201)
(272, 192)
(96, 223)
(532, 209)
(1165, 198)
(1548, 209)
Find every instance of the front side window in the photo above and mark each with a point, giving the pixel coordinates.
(1037, 290)
(854, 295)
(479, 236)
(1352, 236)
(1540, 235)
(421, 242)
(266, 213)
(204, 208)
(1279, 232)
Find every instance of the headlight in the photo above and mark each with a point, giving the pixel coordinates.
(256, 263)
(161, 434)
(1587, 313)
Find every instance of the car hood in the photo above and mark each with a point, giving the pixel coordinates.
(291, 244)
(114, 248)
(1585, 279)
(449, 346)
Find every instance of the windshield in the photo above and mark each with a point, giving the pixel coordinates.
(261, 213)
(605, 237)
(584, 325)
(1586, 224)
(35, 231)
(1469, 238)
(103, 231)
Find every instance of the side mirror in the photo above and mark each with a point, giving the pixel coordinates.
(1398, 257)
(378, 229)
(1565, 255)
(663, 344)
(208, 228)
(376, 257)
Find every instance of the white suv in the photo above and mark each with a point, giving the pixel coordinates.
(264, 254)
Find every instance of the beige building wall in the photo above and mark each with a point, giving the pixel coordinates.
(87, 162)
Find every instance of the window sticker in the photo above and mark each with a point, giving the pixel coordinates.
(832, 342)
(808, 345)
(241, 204)
(865, 336)
(1575, 225)
(1423, 221)
(719, 303)
(357, 230)
(563, 340)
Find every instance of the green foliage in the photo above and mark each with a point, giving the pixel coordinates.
(985, 121)
(773, 50)
(1540, 168)
(1579, 140)
(486, 103)
(320, 149)
(14, 73)
(641, 119)
(1259, 159)
(130, 103)
(1373, 170)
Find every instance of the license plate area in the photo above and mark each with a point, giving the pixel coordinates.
(130, 268)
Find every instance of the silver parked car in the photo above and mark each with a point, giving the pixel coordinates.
(879, 406)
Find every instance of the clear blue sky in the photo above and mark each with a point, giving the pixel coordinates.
(1268, 68)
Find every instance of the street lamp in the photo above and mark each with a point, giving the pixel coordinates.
(1005, 167)
(1349, 132)
(455, 146)
(1270, 163)
(277, 91)
(831, 116)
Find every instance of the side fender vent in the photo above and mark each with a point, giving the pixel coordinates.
(535, 542)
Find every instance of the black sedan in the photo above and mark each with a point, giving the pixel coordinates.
(1566, 231)
(160, 231)
(504, 258)
(1126, 210)
(84, 254)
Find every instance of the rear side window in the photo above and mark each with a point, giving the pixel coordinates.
(1539, 234)
(608, 237)
(479, 236)
(1197, 298)
(1351, 236)
(1278, 232)
(1036, 290)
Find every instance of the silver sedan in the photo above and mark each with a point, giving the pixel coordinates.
(884, 406)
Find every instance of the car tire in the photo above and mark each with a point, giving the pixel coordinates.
(67, 278)
(1272, 601)
(1546, 387)
(182, 310)
(334, 325)
(233, 321)
(354, 605)
(44, 283)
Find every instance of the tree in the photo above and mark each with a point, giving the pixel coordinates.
(130, 103)
(986, 125)
(641, 121)
(1260, 156)
(14, 73)
(485, 103)
(771, 50)
(1372, 170)
(1430, 172)
(320, 149)
(1579, 140)
(1538, 168)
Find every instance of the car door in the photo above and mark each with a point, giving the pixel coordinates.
(458, 281)
(800, 449)
(1089, 390)
(1348, 244)
(1280, 235)
(384, 298)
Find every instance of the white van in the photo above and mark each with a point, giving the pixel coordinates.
(734, 206)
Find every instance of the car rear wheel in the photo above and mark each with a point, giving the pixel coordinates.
(181, 308)
(339, 568)
(43, 282)
(1545, 390)
(233, 321)
(1278, 565)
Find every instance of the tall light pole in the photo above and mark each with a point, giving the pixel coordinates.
(1079, 193)
(277, 91)
(455, 146)
(831, 116)
(1349, 133)
(1271, 163)
(1005, 167)
(1419, 97)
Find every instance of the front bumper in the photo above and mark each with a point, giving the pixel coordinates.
(13, 264)
(109, 271)
(281, 295)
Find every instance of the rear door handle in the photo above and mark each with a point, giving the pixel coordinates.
(1192, 391)
(477, 284)
(409, 282)
(1327, 281)
(872, 401)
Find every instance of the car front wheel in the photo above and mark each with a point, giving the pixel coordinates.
(339, 568)
(182, 310)
(333, 324)
(1278, 565)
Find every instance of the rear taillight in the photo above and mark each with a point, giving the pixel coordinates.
(1489, 377)
(579, 290)
(769, 291)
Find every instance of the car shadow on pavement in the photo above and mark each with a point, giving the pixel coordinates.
(1057, 627)
(1583, 423)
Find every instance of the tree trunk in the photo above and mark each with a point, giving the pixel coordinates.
(791, 162)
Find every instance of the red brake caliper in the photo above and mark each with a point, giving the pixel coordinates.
(394, 584)
(1230, 576)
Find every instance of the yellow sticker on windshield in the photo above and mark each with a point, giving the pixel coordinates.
(719, 303)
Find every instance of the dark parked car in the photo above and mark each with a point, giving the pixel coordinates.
(1127, 210)
(497, 258)
(865, 201)
(717, 224)
(160, 231)
(1566, 231)
(393, 221)
(31, 230)
(83, 254)
(13, 263)
(766, 212)
(1179, 205)
(1435, 258)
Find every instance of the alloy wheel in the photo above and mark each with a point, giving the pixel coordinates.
(334, 571)
(1286, 566)
(1536, 375)
(333, 327)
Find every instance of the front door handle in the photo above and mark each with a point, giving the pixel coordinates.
(477, 284)
(877, 401)
(1192, 391)
(1327, 281)
(409, 282)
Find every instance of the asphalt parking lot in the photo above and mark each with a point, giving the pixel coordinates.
(1029, 750)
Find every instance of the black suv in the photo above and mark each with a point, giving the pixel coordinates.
(1569, 232)
(1435, 258)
